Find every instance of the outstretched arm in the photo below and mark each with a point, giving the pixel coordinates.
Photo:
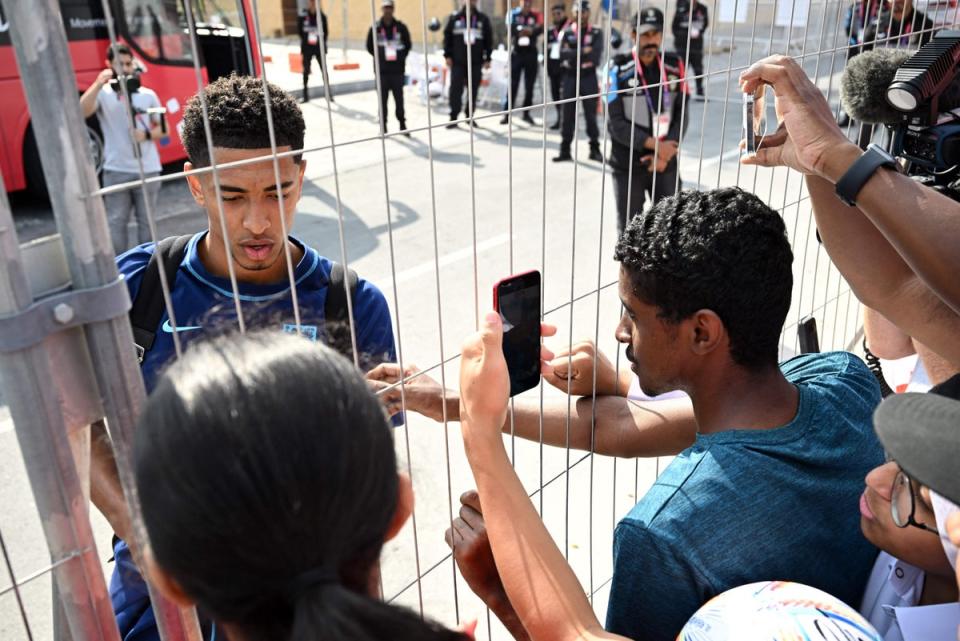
(544, 591)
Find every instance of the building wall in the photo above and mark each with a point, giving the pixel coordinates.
(273, 22)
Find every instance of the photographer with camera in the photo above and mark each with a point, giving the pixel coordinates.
(893, 239)
(106, 98)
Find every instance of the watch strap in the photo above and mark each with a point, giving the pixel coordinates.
(850, 184)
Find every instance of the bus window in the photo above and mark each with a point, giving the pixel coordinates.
(157, 28)
(219, 13)
(222, 34)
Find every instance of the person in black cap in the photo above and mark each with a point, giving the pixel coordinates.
(579, 35)
(554, 69)
(393, 45)
(645, 118)
(902, 512)
(465, 28)
(689, 24)
(526, 25)
(312, 27)
(921, 432)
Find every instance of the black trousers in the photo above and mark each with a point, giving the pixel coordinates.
(524, 64)
(308, 54)
(556, 90)
(643, 182)
(696, 63)
(392, 83)
(458, 80)
(568, 124)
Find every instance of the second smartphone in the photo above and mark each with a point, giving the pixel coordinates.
(517, 299)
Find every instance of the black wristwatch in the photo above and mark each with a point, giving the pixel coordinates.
(860, 172)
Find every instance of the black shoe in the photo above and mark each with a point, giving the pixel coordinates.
(555, 126)
(474, 124)
(403, 129)
(505, 120)
(453, 124)
(527, 118)
(564, 156)
(595, 154)
(306, 96)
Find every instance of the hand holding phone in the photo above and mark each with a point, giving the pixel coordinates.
(517, 300)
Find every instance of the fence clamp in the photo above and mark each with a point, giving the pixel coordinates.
(62, 311)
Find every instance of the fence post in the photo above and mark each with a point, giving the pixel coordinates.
(49, 83)
(52, 401)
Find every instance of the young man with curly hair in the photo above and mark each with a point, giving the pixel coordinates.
(770, 458)
(201, 291)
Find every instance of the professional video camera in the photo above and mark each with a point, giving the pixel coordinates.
(918, 98)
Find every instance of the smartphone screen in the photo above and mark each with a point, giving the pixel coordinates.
(750, 146)
(517, 298)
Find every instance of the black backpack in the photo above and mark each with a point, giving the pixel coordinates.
(148, 306)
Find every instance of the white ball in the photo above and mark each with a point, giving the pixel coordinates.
(776, 611)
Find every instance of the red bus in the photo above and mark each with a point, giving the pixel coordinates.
(156, 31)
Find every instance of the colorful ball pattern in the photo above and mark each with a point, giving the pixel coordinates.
(777, 611)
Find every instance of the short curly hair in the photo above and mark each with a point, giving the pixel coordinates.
(238, 118)
(723, 250)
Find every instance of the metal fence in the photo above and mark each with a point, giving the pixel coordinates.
(487, 202)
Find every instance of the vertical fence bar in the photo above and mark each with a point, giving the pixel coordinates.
(47, 74)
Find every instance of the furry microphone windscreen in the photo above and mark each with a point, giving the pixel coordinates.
(863, 88)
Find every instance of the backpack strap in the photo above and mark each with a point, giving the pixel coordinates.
(148, 305)
(336, 314)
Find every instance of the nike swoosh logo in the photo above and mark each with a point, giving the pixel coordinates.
(170, 330)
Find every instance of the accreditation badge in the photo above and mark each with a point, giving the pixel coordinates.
(661, 125)
(555, 50)
(312, 36)
(523, 41)
(390, 51)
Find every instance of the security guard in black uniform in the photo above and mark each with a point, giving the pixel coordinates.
(459, 31)
(590, 41)
(393, 45)
(312, 45)
(643, 121)
(525, 27)
(554, 71)
(690, 22)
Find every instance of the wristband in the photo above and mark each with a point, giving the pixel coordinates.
(860, 172)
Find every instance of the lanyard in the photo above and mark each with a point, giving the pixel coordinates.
(473, 19)
(393, 32)
(557, 31)
(664, 93)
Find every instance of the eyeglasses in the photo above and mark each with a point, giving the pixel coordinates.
(903, 503)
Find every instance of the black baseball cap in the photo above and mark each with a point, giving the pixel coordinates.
(650, 19)
(921, 432)
(580, 5)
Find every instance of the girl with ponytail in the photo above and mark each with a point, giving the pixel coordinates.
(269, 484)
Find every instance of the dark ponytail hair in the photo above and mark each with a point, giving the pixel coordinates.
(268, 480)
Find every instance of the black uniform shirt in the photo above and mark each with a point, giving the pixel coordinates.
(393, 39)
(457, 33)
(309, 33)
(591, 54)
(685, 26)
(525, 44)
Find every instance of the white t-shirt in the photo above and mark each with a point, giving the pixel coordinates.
(118, 149)
(893, 584)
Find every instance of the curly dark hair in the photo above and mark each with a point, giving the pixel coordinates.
(238, 118)
(723, 250)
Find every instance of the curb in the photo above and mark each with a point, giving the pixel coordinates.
(338, 89)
